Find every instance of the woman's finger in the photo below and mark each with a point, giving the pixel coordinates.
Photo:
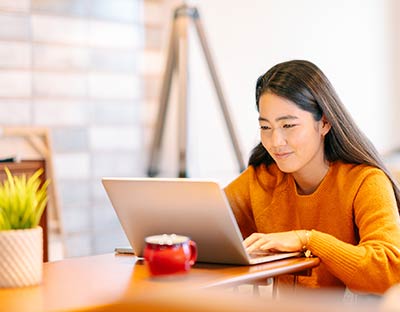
(251, 239)
(262, 240)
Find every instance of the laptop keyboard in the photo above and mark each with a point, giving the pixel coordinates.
(259, 254)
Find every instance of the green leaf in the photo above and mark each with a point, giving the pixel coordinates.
(22, 200)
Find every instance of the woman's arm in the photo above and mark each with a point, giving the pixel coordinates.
(374, 264)
(371, 266)
(238, 195)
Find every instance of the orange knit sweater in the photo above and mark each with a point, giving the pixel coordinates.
(353, 217)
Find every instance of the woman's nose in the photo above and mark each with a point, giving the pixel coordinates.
(278, 138)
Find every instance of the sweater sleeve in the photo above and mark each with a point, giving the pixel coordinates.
(238, 196)
(374, 264)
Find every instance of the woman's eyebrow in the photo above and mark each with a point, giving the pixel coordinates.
(285, 117)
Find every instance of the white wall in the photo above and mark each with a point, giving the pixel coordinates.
(351, 41)
(394, 19)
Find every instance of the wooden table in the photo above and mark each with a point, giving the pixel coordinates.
(89, 282)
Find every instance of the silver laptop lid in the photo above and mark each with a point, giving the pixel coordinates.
(195, 208)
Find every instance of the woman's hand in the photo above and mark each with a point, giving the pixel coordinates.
(282, 241)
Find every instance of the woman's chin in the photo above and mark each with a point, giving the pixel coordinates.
(285, 167)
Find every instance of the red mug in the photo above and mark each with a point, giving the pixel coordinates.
(169, 254)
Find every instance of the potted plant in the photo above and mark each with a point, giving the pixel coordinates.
(22, 202)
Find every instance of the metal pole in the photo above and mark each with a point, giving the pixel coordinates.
(164, 98)
(218, 90)
(177, 59)
(182, 94)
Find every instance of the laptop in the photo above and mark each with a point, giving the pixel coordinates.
(198, 209)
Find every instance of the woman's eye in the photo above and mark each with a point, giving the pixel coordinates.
(264, 127)
(289, 125)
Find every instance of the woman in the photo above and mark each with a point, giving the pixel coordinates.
(315, 183)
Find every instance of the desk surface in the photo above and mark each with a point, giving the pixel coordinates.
(97, 280)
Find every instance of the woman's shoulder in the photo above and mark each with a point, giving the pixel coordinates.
(356, 172)
(351, 179)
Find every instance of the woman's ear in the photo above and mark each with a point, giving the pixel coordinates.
(326, 126)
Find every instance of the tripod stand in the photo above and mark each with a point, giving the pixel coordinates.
(177, 61)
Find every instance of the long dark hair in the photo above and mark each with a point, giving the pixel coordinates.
(305, 84)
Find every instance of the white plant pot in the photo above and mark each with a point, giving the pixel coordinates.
(21, 257)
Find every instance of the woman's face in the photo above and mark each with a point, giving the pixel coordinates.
(291, 135)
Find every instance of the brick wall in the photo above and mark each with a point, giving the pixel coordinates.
(89, 70)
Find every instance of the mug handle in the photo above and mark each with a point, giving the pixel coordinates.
(193, 252)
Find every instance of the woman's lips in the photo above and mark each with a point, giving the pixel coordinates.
(282, 155)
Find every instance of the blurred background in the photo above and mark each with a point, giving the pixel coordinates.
(91, 70)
